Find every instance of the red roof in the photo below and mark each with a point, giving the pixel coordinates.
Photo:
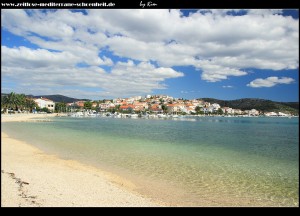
(126, 106)
(174, 105)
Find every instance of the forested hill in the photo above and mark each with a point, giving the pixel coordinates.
(258, 104)
(60, 98)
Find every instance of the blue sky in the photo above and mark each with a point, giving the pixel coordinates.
(97, 54)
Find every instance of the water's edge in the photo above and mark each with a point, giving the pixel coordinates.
(168, 169)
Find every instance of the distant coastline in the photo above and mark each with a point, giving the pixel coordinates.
(153, 105)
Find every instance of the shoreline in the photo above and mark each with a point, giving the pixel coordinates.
(28, 117)
(152, 192)
(32, 178)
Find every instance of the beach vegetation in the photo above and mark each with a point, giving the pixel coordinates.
(17, 102)
(30, 104)
(10, 101)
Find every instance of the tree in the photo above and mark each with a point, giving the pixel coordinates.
(2, 103)
(11, 101)
(220, 111)
(198, 109)
(87, 105)
(45, 109)
(21, 101)
(60, 107)
(117, 107)
(30, 104)
(164, 108)
(112, 110)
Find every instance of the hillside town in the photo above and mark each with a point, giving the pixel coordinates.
(159, 105)
(138, 106)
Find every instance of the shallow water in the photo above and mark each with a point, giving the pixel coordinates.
(202, 161)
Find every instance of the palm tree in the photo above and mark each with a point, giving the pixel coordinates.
(21, 101)
(30, 104)
(4, 104)
(17, 101)
(60, 107)
(11, 100)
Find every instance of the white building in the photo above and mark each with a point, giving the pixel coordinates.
(136, 98)
(282, 114)
(174, 108)
(271, 114)
(277, 114)
(214, 107)
(107, 105)
(117, 101)
(45, 103)
(237, 111)
(252, 112)
(228, 110)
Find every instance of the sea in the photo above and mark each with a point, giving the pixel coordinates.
(189, 161)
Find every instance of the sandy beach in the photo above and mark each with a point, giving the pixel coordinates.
(31, 178)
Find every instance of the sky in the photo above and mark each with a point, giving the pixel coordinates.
(104, 54)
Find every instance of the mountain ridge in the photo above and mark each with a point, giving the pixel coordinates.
(60, 98)
(56, 98)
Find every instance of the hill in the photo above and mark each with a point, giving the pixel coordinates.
(258, 104)
(55, 98)
(60, 98)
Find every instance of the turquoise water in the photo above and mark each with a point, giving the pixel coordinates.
(202, 161)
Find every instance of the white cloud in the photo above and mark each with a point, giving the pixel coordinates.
(213, 72)
(138, 79)
(41, 72)
(270, 82)
(260, 39)
(227, 86)
(36, 58)
(214, 42)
